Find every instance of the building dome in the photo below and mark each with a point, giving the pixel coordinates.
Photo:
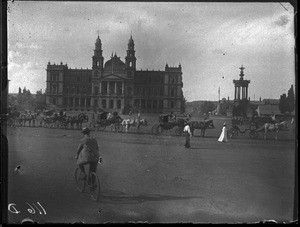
(114, 65)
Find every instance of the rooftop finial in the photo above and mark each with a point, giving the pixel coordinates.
(242, 72)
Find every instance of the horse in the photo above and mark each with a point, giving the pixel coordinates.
(271, 127)
(23, 118)
(78, 120)
(12, 118)
(127, 123)
(202, 125)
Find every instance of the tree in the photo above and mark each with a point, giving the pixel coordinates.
(207, 106)
(290, 100)
(283, 104)
(40, 100)
(287, 103)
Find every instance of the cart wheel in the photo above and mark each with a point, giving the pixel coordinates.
(159, 130)
(232, 133)
(253, 134)
(118, 128)
(101, 127)
(179, 131)
(154, 128)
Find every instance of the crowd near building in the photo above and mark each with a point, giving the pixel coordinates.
(115, 85)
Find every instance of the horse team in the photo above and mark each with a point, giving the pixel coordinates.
(48, 119)
(51, 119)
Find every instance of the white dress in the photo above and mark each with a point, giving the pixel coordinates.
(223, 136)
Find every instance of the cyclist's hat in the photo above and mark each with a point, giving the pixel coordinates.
(85, 130)
(224, 124)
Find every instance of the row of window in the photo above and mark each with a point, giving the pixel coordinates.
(54, 76)
(77, 90)
(111, 89)
(149, 79)
(86, 102)
(110, 104)
(152, 104)
(155, 92)
(77, 102)
(78, 78)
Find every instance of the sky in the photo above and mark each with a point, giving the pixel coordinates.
(211, 41)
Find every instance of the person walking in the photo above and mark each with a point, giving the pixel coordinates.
(223, 136)
(188, 135)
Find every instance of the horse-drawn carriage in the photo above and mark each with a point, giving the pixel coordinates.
(63, 121)
(106, 119)
(202, 126)
(255, 125)
(241, 125)
(168, 122)
(266, 125)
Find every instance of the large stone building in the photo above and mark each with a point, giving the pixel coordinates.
(115, 85)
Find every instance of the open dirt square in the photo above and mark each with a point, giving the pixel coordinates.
(151, 178)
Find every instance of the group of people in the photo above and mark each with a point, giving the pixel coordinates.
(188, 134)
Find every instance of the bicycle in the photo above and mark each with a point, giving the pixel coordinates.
(92, 181)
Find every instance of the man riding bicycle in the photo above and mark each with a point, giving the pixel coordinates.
(87, 153)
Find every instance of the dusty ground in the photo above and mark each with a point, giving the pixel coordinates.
(153, 179)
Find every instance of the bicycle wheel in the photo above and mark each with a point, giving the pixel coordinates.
(95, 186)
(80, 182)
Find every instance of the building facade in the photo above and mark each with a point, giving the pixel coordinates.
(115, 86)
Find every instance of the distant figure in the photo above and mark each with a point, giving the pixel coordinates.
(292, 121)
(223, 136)
(172, 117)
(109, 116)
(188, 117)
(139, 116)
(188, 134)
(273, 118)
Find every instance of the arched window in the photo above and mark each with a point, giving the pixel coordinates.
(172, 92)
(97, 63)
(96, 89)
(111, 104)
(129, 90)
(172, 104)
(104, 103)
(119, 104)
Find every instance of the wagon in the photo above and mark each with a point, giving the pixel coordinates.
(240, 126)
(166, 125)
(101, 123)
